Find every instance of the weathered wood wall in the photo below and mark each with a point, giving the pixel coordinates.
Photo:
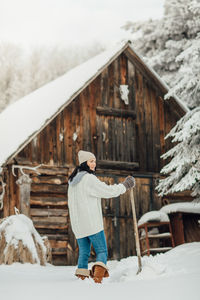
(125, 138)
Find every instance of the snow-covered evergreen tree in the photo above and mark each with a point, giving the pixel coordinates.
(171, 46)
(184, 168)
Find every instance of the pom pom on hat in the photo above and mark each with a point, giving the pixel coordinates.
(84, 156)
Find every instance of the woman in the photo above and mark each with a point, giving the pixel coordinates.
(84, 199)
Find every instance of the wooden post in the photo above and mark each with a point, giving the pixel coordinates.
(136, 232)
(24, 183)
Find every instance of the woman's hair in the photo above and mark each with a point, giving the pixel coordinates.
(81, 167)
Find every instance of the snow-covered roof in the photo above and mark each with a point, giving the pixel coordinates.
(187, 207)
(23, 120)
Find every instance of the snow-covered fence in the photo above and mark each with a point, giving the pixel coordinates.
(20, 242)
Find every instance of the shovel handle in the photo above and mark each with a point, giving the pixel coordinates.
(135, 227)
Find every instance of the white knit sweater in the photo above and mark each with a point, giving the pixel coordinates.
(84, 201)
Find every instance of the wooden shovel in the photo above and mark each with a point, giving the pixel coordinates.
(136, 232)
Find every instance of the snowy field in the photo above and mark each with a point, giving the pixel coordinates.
(173, 275)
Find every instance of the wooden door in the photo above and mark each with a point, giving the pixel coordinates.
(117, 213)
(116, 139)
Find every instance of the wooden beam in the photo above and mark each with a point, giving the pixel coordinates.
(116, 112)
(117, 165)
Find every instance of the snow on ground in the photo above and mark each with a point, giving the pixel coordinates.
(173, 275)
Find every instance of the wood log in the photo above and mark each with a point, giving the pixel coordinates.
(48, 213)
(59, 251)
(116, 112)
(49, 220)
(57, 237)
(49, 188)
(50, 180)
(48, 201)
(58, 244)
(118, 164)
(41, 225)
(44, 169)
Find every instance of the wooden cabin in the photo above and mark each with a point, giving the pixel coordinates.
(112, 105)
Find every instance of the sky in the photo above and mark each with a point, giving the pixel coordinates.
(50, 22)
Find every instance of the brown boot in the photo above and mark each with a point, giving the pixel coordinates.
(82, 273)
(98, 272)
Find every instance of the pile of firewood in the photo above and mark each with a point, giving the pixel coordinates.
(20, 242)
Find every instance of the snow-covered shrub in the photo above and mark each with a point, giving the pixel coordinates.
(20, 242)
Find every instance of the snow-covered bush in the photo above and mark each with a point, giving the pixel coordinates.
(20, 242)
(184, 168)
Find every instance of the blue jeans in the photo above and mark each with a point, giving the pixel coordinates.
(98, 241)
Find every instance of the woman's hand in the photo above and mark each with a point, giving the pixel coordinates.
(129, 182)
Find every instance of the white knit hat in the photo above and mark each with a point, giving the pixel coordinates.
(84, 156)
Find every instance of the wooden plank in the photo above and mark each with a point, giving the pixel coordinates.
(58, 139)
(113, 138)
(86, 121)
(104, 86)
(176, 221)
(123, 69)
(48, 212)
(117, 100)
(44, 169)
(116, 112)
(74, 128)
(68, 141)
(142, 147)
(49, 220)
(48, 201)
(58, 244)
(92, 112)
(59, 251)
(6, 202)
(110, 140)
(34, 149)
(49, 188)
(131, 84)
(53, 130)
(42, 225)
(162, 129)
(111, 85)
(156, 132)
(57, 237)
(148, 126)
(50, 180)
(118, 164)
(14, 197)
